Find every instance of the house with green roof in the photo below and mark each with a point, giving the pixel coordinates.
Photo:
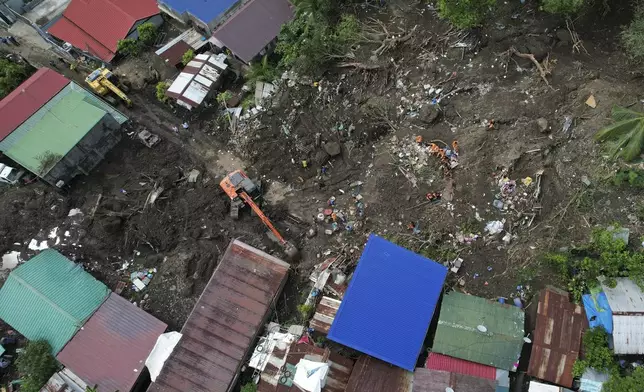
(49, 297)
(56, 129)
(480, 330)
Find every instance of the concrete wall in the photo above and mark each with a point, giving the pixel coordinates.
(183, 18)
(156, 20)
(88, 153)
(46, 10)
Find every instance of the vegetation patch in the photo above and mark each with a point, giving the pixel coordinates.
(562, 7)
(625, 135)
(36, 365)
(465, 13)
(11, 75)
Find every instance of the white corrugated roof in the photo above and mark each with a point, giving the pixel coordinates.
(203, 80)
(625, 297)
(196, 92)
(628, 334)
(180, 83)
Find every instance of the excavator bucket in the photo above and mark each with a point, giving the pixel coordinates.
(292, 253)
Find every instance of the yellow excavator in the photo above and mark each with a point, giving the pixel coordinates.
(102, 81)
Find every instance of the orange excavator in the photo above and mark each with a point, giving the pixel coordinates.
(242, 191)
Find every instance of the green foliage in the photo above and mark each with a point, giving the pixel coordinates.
(147, 33)
(128, 47)
(162, 87)
(309, 41)
(633, 35)
(36, 365)
(92, 389)
(248, 102)
(563, 7)
(249, 387)
(465, 13)
(597, 355)
(626, 133)
(632, 383)
(11, 75)
(305, 311)
(224, 96)
(187, 57)
(262, 71)
(629, 177)
(604, 256)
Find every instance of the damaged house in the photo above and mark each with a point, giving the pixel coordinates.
(56, 129)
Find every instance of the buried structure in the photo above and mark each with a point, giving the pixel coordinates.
(56, 129)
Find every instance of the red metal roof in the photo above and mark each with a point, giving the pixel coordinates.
(111, 348)
(337, 378)
(426, 380)
(373, 375)
(96, 26)
(254, 26)
(27, 98)
(225, 322)
(324, 314)
(437, 361)
(557, 337)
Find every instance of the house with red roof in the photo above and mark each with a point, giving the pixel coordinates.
(95, 26)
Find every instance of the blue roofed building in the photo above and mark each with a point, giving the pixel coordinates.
(389, 303)
(206, 14)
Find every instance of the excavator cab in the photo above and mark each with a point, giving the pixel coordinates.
(237, 182)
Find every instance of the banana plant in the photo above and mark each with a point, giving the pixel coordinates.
(626, 133)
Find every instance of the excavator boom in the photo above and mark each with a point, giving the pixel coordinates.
(267, 222)
(105, 82)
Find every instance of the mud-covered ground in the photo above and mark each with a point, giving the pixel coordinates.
(507, 121)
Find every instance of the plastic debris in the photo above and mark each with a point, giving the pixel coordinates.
(498, 204)
(494, 227)
(591, 101)
(567, 125)
(527, 181)
(585, 180)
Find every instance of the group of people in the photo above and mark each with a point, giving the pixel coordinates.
(11, 40)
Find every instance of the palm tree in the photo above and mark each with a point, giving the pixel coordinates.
(626, 133)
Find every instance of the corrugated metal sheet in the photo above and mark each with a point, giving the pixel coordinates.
(49, 297)
(426, 380)
(457, 333)
(324, 314)
(373, 375)
(96, 26)
(536, 386)
(55, 129)
(225, 322)
(254, 26)
(27, 98)
(626, 300)
(557, 337)
(407, 287)
(626, 297)
(592, 381)
(173, 54)
(459, 366)
(189, 86)
(111, 348)
(339, 368)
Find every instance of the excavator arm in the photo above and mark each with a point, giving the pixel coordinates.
(267, 222)
(107, 84)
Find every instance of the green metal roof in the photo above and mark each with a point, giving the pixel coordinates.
(57, 127)
(458, 333)
(49, 297)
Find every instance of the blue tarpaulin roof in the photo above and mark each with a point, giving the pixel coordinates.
(598, 311)
(389, 304)
(204, 10)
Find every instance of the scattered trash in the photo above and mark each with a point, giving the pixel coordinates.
(542, 123)
(34, 245)
(567, 125)
(193, 175)
(489, 268)
(74, 212)
(507, 238)
(10, 260)
(141, 279)
(185, 125)
(527, 181)
(456, 265)
(591, 101)
(517, 302)
(507, 186)
(494, 227)
(498, 204)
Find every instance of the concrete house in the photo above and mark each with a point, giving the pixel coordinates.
(96, 26)
(56, 129)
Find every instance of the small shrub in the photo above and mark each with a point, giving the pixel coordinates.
(36, 365)
(248, 102)
(633, 35)
(626, 133)
(262, 71)
(562, 7)
(128, 47)
(147, 33)
(305, 311)
(597, 355)
(187, 57)
(162, 87)
(249, 387)
(465, 13)
(629, 177)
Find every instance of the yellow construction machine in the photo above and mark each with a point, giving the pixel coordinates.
(102, 81)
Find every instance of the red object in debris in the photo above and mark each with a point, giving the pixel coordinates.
(328, 211)
(304, 339)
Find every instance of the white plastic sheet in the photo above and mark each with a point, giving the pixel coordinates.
(310, 376)
(161, 352)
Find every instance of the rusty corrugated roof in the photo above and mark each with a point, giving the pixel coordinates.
(426, 380)
(373, 375)
(339, 368)
(224, 323)
(111, 348)
(324, 314)
(557, 337)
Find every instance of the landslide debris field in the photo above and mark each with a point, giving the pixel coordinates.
(528, 178)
